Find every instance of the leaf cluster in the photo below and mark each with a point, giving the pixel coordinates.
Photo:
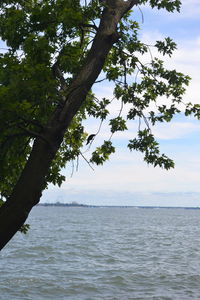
(147, 144)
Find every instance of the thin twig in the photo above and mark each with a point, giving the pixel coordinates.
(77, 163)
(141, 14)
(100, 80)
(86, 160)
(99, 127)
(120, 112)
(139, 124)
(72, 172)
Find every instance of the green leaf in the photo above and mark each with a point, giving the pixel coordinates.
(146, 143)
(101, 154)
(118, 124)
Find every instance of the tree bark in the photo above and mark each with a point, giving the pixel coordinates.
(31, 183)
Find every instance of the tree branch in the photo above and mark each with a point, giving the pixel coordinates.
(33, 122)
(57, 73)
(34, 134)
(86, 161)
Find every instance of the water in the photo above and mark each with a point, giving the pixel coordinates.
(104, 253)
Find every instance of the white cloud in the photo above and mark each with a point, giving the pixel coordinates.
(190, 9)
(126, 171)
(175, 130)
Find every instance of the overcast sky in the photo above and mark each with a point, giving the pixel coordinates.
(126, 179)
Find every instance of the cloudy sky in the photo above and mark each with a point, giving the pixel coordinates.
(126, 179)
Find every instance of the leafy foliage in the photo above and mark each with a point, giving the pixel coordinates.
(43, 35)
(166, 47)
(168, 5)
(101, 154)
(146, 143)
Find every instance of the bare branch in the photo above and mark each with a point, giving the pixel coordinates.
(124, 5)
(34, 134)
(33, 122)
(89, 26)
(86, 161)
(58, 73)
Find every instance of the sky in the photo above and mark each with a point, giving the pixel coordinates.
(126, 179)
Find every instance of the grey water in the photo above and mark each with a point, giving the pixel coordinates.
(104, 253)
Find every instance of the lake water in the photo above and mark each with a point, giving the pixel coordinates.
(104, 253)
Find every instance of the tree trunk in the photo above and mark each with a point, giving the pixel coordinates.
(31, 183)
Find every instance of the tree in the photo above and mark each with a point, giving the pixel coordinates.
(55, 51)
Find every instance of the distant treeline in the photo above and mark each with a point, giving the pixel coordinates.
(75, 204)
(72, 204)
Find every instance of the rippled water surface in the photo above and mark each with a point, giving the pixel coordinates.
(104, 253)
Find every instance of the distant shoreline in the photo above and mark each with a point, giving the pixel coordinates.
(59, 204)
